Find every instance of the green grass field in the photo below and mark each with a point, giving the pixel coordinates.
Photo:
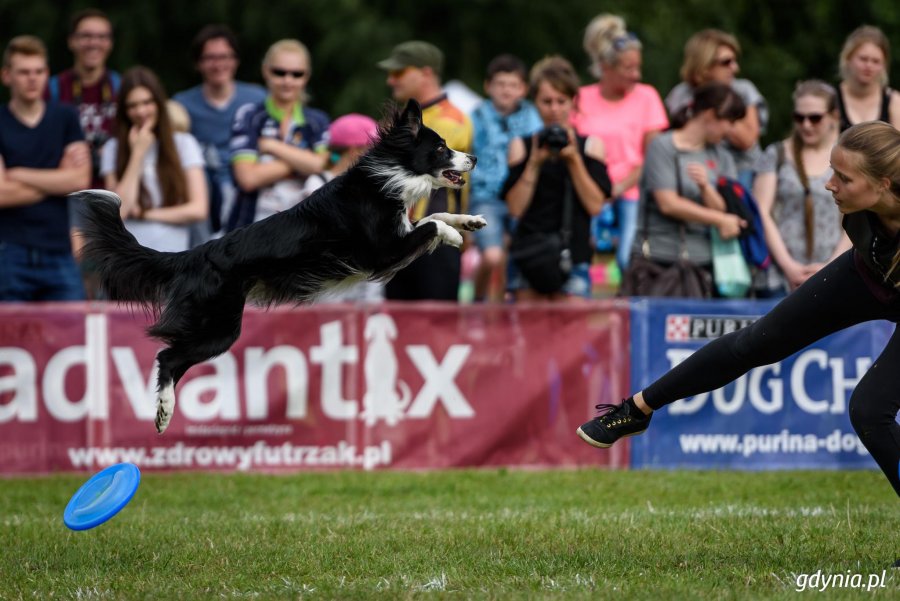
(484, 534)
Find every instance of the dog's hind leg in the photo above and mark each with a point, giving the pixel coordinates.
(201, 336)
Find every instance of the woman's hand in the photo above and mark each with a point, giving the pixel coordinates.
(539, 154)
(140, 139)
(569, 153)
(698, 174)
(796, 273)
(730, 226)
(267, 145)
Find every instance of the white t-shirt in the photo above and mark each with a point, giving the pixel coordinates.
(164, 237)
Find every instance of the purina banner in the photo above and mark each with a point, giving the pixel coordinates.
(791, 414)
(325, 387)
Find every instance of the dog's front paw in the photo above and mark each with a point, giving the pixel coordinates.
(473, 222)
(448, 235)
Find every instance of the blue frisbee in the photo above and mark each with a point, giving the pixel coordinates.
(102, 496)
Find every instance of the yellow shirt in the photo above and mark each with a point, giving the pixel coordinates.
(456, 128)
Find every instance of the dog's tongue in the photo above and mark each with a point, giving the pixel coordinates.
(454, 176)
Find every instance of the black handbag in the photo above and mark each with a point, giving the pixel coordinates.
(681, 279)
(544, 258)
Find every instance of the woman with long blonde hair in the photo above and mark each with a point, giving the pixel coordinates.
(862, 284)
(802, 225)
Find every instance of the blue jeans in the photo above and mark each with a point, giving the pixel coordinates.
(628, 212)
(34, 274)
(498, 220)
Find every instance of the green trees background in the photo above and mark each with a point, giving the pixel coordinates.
(783, 40)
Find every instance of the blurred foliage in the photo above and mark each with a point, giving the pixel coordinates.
(783, 40)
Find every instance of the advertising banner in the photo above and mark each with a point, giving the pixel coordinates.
(327, 387)
(791, 414)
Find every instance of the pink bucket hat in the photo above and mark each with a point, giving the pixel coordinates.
(352, 130)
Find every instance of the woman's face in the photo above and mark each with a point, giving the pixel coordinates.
(724, 67)
(851, 190)
(866, 64)
(714, 127)
(623, 75)
(286, 76)
(140, 107)
(812, 120)
(552, 105)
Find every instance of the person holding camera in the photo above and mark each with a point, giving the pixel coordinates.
(557, 181)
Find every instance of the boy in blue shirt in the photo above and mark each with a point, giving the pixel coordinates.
(43, 158)
(504, 116)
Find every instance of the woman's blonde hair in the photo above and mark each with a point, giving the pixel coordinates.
(700, 54)
(293, 46)
(859, 36)
(605, 39)
(877, 145)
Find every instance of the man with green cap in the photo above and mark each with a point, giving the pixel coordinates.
(414, 72)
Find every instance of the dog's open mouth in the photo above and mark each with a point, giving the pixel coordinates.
(454, 177)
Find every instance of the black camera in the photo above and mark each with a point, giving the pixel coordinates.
(554, 137)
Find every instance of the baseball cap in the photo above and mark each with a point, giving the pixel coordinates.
(352, 130)
(414, 54)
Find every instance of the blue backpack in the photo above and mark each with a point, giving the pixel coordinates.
(740, 201)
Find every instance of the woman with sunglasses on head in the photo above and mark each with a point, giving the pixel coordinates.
(712, 56)
(863, 94)
(862, 284)
(276, 144)
(157, 172)
(802, 225)
(622, 112)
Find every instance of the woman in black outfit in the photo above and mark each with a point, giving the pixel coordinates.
(860, 285)
(557, 181)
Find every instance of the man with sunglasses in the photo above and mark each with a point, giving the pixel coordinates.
(414, 72)
(278, 143)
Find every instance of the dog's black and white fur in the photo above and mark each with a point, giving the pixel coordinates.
(355, 227)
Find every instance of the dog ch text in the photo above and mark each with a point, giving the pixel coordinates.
(217, 395)
(764, 387)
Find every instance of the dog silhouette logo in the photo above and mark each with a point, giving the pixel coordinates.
(386, 397)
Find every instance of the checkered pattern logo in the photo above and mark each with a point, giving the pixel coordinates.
(678, 328)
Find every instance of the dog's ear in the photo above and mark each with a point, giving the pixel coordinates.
(412, 116)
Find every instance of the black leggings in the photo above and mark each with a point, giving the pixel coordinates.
(833, 299)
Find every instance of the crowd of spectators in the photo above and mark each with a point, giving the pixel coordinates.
(573, 168)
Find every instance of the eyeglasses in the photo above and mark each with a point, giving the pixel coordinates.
(814, 118)
(285, 72)
(726, 62)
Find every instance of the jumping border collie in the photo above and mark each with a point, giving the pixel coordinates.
(355, 227)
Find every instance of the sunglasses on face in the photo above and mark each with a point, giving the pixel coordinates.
(285, 72)
(813, 118)
(726, 62)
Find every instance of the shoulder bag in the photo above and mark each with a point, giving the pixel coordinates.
(681, 279)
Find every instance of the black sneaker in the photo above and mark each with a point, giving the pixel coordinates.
(617, 421)
(896, 564)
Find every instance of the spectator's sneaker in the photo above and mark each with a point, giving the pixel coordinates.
(617, 421)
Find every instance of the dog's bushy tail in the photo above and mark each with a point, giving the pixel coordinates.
(128, 271)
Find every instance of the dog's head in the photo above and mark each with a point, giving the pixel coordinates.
(416, 155)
